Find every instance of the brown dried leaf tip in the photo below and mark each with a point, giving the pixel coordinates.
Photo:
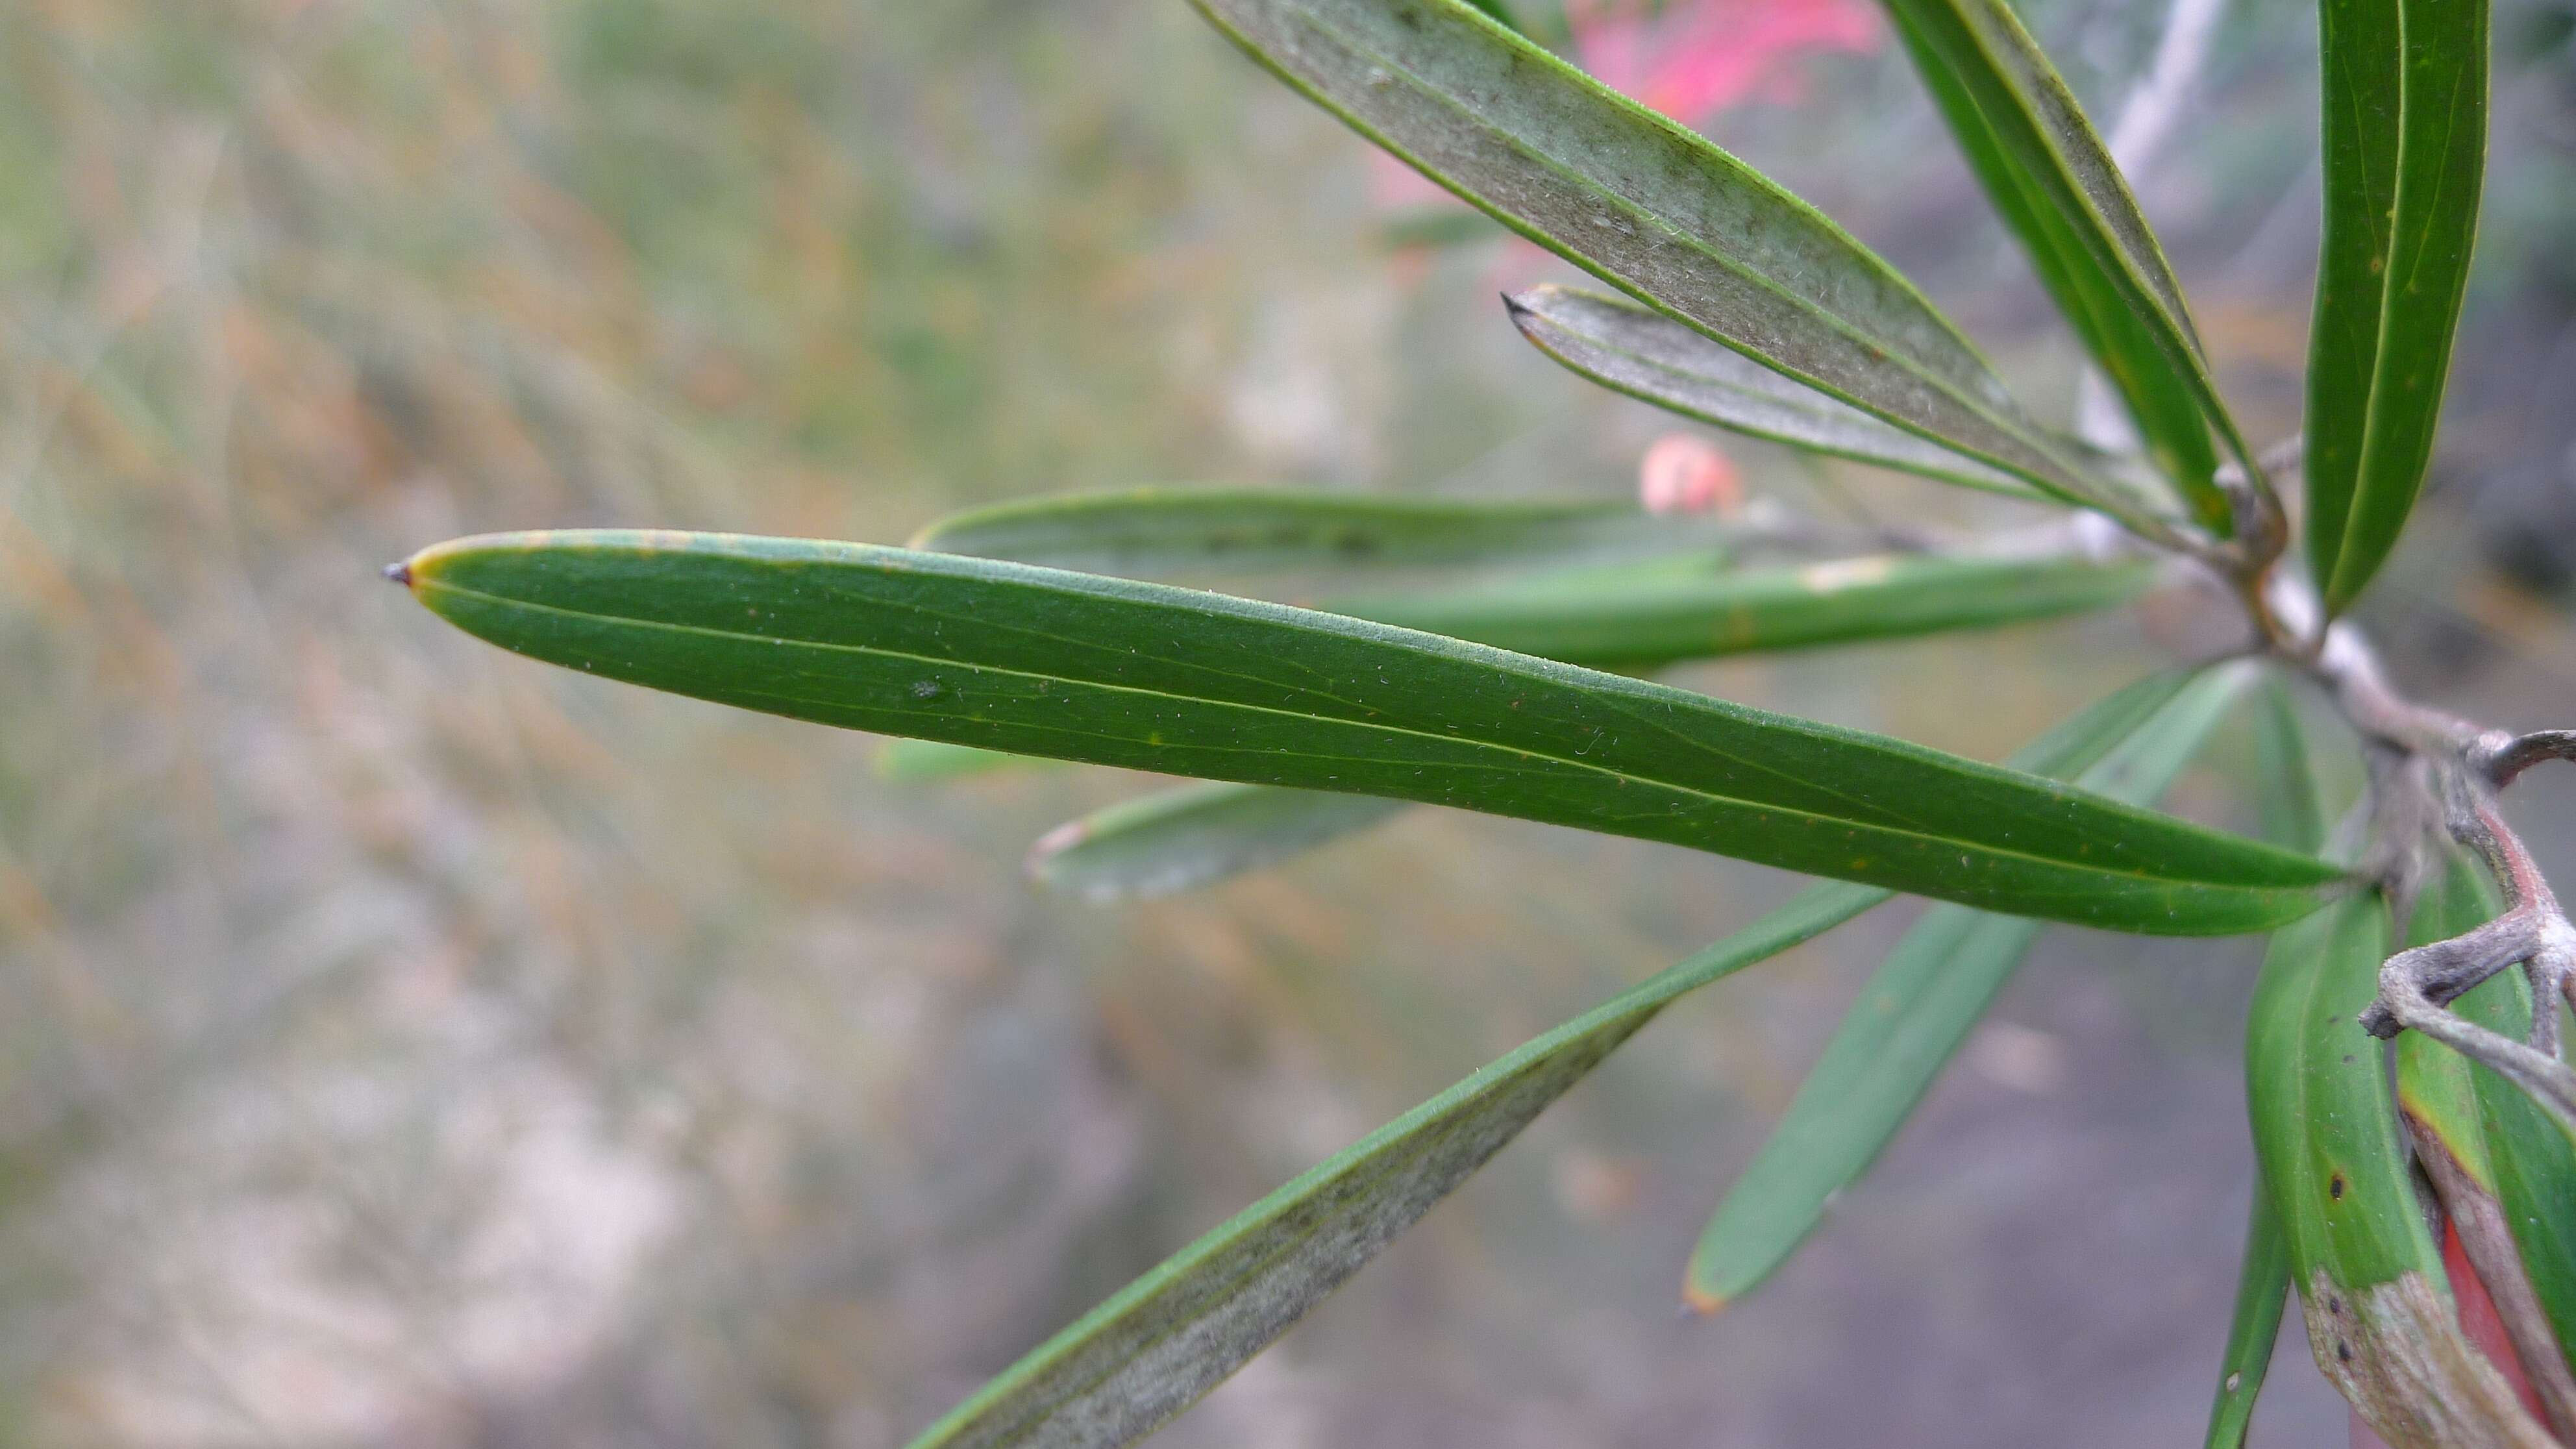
(2396, 1353)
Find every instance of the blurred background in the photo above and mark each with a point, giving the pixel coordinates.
(402, 1043)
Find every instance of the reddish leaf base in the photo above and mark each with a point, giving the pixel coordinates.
(2479, 1321)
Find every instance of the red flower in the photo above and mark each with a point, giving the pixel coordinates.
(1690, 59)
(1700, 57)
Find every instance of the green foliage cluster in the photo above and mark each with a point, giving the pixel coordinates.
(1747, 309)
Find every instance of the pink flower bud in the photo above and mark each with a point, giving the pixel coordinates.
(1682, 473)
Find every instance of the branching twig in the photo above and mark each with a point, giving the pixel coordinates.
(2417, 986)
(2428, 767)
(2500, 763)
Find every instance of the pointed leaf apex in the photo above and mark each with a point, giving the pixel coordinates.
(1054, 843)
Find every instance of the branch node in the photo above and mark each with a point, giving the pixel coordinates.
(2500, 756)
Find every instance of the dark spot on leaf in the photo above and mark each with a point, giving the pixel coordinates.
(2334, 1187)
(2343, 1351)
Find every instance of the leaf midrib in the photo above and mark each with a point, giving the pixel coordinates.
(1942, 458)
(1626, 1013)
(1413, 1147)
(2000, 852)
(1886, 347)
(2375, 439)
(2170, 333)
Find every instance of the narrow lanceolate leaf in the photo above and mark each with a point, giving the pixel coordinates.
(2435, 1093)
(2379, 1313)
(1649, 356)
(2055, 184)
(2262, 1288)
(1545, 21)
(1110, 671)
(1178, 840)
(1162, 532)
(1647, 205)
(2293, 814)
(1644, 622)
(1906, 1025)
(1623, 617)
(2291, 800)
(915, 760)
(2405, 148)
(1436, 226)
(1172, 1335)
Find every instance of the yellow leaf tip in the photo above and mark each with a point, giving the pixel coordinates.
(1698, 1302)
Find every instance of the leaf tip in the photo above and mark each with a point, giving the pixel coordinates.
(399, 572)
(1044, 850)
(1699, 1302)
(1523, 307)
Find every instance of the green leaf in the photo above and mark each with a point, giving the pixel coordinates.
(2535, 1169)
(1436, 227)
(1623, 616)
(1148, 1353)
(2435, 1094)
(910, 761)
(1650, 207)
(2439, 1098)
(2531, 1164)
(2371, 1285)
(1197, 835)
(2293, 813)
(2325, 1121)
(2325, 1134)
(1158, 532)
(1643, 622)
(2291, 801)
(2405, 148)
(1647, 355)
(1904, 1027)
(1109, 671)
(2057, 188)
(1628, 617)
(1172, 1335)
(2262, 1289)
(1683, 566)
(1545, 21)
